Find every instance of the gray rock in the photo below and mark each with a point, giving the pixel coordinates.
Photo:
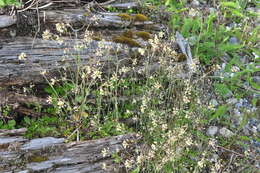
(258, 127)
(212, 10)
(232, 101)
(233, 40)
(40, 143)
(212, 131)
(226, 132)
(214, 102)
(195, 3)
(256, 79)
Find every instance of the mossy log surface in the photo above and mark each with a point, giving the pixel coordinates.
(54, 155)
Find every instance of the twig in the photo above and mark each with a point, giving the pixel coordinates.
(31, 5)
(239, 154)
(107, 2)
(39, 24)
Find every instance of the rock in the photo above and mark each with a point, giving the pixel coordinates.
(232, 101)
(195, 3)
(212, 131)
(237, 116)
(212, 10)
(256, 79)
(233, 40)
(226, 132)
(214, 102)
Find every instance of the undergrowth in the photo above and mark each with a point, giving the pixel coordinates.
(144, 92)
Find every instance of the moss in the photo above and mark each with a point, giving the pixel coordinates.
(143, 34)
(37, 159)
(181, 57)
(125, 16)
(126, 40)
(140, 18)
(97, 38)
(128, 34)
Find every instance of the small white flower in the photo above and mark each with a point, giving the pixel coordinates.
(43, 72)
(22, 56)
(104, 152)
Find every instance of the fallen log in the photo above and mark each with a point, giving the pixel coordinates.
(44, 56)
(54, 155)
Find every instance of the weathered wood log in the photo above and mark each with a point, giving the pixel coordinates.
(14, 132)
(44, 56)
(53, 155)
(6, 20)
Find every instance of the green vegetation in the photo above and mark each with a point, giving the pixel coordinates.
(171, 113)
(4, 3)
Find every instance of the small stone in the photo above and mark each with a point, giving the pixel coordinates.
(258, 127)
(212, 10)
(195, 3)
(212, 131)
(214, 102)
(233, 40)
(256, 79)
(226, 132)
(232, 101)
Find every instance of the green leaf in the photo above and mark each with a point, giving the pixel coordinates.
(227, 47)
(11, 124)
(230, 5)
(220, 112)
(136, 170)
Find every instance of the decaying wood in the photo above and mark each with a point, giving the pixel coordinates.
(54, 155)
(7, 97)
(14, 132)
(46, 55)
(6, 20)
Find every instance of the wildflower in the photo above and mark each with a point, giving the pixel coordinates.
(157, 85)
(125, 144)
(134, 61)
(49, 99)
(53, 81)
(96, 74)
(60, 103)
(161, 34)
(87, 36)
(124, 69)
(60, 27)
(201, 163)
(22, 56)
(235, 69)
(139, 159)
(46, 35)
(141, 51)
(104, 152)
(79, 47)
(188, 141)
(128, 164)
(59, 39)
(104, 166)
(43, 72)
